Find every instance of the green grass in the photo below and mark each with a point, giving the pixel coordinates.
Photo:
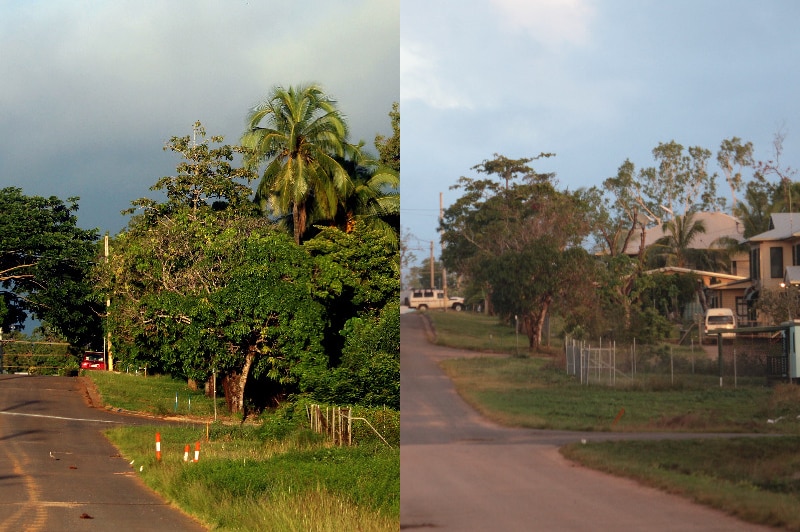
(531, 392)
(483, 333)
(271, 475)
(154, 394)
(755, 479)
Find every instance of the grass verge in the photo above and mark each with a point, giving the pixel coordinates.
(272, 475)
(532, 393)
(754, 479)
(158, 395)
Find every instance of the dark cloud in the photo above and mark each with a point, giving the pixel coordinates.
(91, 92)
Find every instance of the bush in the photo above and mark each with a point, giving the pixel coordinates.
(369, 372)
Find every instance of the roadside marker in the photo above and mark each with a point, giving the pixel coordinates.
(158, 446)
(197, 451)
(186, 453)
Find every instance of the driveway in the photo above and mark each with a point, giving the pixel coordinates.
(459, 471)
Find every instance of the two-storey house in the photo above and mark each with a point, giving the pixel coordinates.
(775, 256)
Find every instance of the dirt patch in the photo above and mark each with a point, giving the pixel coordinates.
(90, 393)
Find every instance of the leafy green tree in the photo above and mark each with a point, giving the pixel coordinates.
(525, 283)
(506, 233)
(755, 210)
(681, 181)
(271, 324)
(733, 157)
(301, 136)
(357, 280)
(358, 274)
(373, 199)
(389, 148)
(45, 260)
(407, 257)
(616, 213)
(197, 289)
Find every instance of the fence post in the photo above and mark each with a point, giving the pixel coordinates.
(719, 357)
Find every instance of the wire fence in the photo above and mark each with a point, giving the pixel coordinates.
(758, 356)
(36, 358)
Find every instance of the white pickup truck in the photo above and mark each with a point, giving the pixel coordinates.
(426, 298)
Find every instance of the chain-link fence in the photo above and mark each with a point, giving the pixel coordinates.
(747, 356)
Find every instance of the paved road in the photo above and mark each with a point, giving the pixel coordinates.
(58, 472)
(461, 472)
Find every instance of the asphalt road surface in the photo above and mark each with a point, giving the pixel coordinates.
(59, 473)
(461, 472)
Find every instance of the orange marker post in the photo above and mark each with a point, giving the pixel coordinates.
(158, 446)
(197, 451)
(186, 453)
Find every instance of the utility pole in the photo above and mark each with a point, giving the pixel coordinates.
(432, 268)
(444, 270)
(107, 343)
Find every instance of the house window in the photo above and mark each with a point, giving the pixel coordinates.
(776, 262)
(796, 255)
(742, 315)
(755, 264)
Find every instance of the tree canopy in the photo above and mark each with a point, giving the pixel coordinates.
(201, 287)
(44, 262)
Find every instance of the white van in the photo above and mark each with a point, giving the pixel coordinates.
(720, 318)
(423, 299)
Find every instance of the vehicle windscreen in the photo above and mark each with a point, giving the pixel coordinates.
(720, 320)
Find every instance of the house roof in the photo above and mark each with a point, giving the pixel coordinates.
(700, 273)
(717, 224)
(782, 225)
(724, 280)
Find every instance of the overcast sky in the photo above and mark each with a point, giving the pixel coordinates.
(91, 91)
(596, 82)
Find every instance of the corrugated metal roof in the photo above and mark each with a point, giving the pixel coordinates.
(784, 225)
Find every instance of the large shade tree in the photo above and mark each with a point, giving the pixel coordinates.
(45, 259)
(499, 224)
(301, 136)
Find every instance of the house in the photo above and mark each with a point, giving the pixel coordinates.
(720, 289)
(775, 255)
(718, 226)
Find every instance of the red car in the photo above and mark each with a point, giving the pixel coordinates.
(93, 361)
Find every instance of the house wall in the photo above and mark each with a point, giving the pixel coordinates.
(772, 280)
(740, 264)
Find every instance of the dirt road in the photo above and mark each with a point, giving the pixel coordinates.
(461, 472)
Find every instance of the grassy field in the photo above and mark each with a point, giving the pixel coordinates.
(272, 474)
(756, 479)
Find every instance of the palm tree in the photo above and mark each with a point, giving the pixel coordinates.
(374, 199)
(680, 232)
(301, 136)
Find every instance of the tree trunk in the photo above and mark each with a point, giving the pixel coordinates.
(299, 218)
(533, 323)
(234, 385)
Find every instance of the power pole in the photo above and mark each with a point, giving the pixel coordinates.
(432, 268)
(444, 270)
(107, 343)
